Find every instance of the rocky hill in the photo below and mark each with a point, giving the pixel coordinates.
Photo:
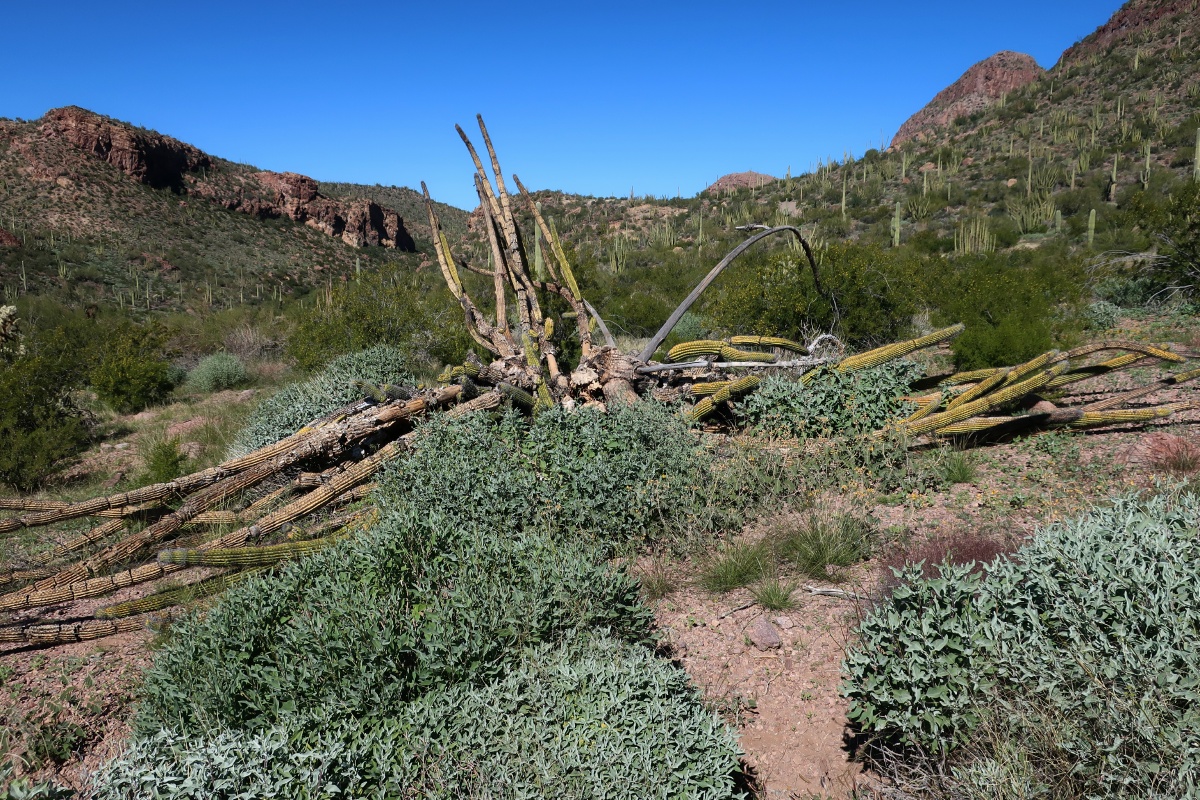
(980, 87)
(95, 210)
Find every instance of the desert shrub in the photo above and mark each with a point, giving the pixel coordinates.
(131, 372)
(869, 295)
(297, 404)
(25, 789)
(411, 311)
(163, 460)
(217, 372)
(479, 618)
(832, 402)
(40, 425)
(1085, 637)
(593, 717)
(1015, 307)
(1101, 315)
(915, 677)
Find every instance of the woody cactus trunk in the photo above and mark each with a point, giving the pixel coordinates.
(312, 488)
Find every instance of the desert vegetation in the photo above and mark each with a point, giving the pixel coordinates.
(505, 515)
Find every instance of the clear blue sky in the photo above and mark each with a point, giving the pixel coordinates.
(594, 98)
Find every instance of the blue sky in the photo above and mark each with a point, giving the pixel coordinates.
(595, 98)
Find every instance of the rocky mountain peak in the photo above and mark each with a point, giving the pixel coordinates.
(979, 87)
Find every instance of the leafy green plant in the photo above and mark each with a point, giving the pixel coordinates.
(40, 424)
(131, 372)
(1074, 652)
(26, 789)
(914, 678)
(216, 372)
(831, 402)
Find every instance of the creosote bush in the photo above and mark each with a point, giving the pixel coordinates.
(131, 372)
(1069, 665)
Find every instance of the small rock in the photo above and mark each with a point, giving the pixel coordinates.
(763, 635)
(1011, 182)
(737, 651)
(106, 446)
(121, 446)
(114, 480)
(714, 623)
(245, 395)
(785, 623)
(1043, 407)
(681, 649)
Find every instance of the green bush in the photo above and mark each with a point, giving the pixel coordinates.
(478, 621)
(131, 372)
(297, 404)
(163, 460)
(1102, 315)
(217, 372)
(413, 312)
(1015, 306)
(40, 425)
(1080, 653)
(832, 402)
(594, 717)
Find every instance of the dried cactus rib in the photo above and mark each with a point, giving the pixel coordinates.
(769, 341)
(484, 402)
(880, 355)
(689, 351)
(22, 575)
(93, 587)
(978, 390)
(706, 388)
(971, 376)
(47, 634)
(924, 409)
(172, 597)
(90, 537)
(201, 501)
(1092, 370)
(1037, 364)
(731, 390)
(1134, 394)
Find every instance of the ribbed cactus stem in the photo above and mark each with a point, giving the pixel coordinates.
(1091, 227)
(880, 355)
(172, 597)
(1196, 158)
(245, 556)
(769, 341)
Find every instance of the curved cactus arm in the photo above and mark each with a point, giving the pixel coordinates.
(677, 314)
(881, 355)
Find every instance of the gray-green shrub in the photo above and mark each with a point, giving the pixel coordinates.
(832, 402)
(480, 619)
(1090, 631)
(217, 372)
(297, 404)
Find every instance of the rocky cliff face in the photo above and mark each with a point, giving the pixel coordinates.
(150, 158)
(162, 162)
(359, 223)
(979, 87)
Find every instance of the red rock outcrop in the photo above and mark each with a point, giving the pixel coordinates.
(163, 162)
(148, 157)
(359, 223)
(1139, 16)
(979, 87)
(739, 180)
